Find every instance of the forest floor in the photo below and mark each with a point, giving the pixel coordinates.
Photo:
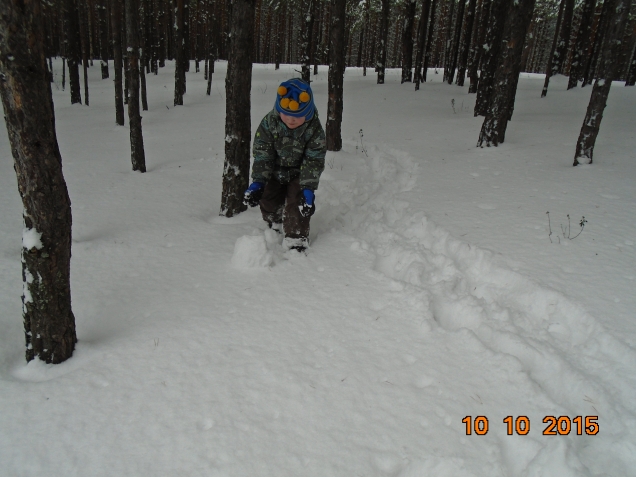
(432, 291)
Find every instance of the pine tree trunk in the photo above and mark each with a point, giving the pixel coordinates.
(336, 76)
(407, 42)
(616, 21)
(563, 46)
(72, 43)
(449, 38)
(594, 69)
(179, 39)
(83, 19)
(49, 324)
(137, 155)
(103, 37)
(464, 49)
(305, 47)
(384, 35)
(490, 60)
(428, 52)
(501, 104)
(476, 50)
(116, 14)
(421, 42)
(631, 71)
(581, 47)
(455, 49)
(553, 63)
(237, 120)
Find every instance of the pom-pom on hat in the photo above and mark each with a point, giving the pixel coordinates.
(295, 98)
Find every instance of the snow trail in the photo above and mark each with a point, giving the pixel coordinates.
(562, 348)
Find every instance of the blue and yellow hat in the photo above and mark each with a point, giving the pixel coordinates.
(295, 98)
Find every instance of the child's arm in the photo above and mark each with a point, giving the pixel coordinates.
(264, 153)
(314, 159)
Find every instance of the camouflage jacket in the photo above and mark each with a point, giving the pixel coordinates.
(285, 153)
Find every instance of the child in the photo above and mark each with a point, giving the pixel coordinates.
(289, 156)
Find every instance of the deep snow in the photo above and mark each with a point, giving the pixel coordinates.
(431, 292)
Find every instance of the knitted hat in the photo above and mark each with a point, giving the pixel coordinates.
(295, 98)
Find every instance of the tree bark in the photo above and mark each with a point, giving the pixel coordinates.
(103, 37)
(449, 38)
(179, 40)
(581, 47)
(429, 42)
(421, 42)
(617, 19)
(336, 75)
(83, 20)
(116, 11)
(49, 324)
(72, 42)
(477, 47)
(306, 34)
(459, 23)
(502, 101)
(631, 71)
(384, 34)
(407, 42)
(464, 49)
(490, 60)
(238, 83)
(553, 63)
(134, 118)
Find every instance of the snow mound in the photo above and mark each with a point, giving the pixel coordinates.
(250, 251)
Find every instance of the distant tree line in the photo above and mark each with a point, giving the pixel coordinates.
(562, 37)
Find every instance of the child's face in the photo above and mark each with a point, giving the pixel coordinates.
(292, 122)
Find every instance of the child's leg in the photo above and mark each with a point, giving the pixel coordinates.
(295, 225)
(273, 202)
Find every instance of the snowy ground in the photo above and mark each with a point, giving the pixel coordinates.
(431, 292)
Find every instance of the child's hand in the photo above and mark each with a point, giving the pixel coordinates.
(306, 205)
(253, 194)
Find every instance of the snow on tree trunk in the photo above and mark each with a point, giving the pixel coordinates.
(421, 42)
(238, 83)
(384, 35)
(336, 76)
(407, 42)
(581, 47)
(134, 118)
(490, 60)
(477, 50)
(116, 15)
(25, 89)
(617, 19)
(502, 101)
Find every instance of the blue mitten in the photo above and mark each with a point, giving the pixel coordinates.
(253, 194)
(306, 205)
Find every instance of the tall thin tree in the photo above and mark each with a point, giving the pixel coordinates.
(238, 82)
(421, 42)
(137, 153)
(49, 323)
(384, 35)
(180, 50)
(336, 75)
(116, 17)
(407, 41)
(582, 43)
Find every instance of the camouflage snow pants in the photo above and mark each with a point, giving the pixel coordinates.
(280, 205)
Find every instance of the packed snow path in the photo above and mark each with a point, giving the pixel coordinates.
(207, 351)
